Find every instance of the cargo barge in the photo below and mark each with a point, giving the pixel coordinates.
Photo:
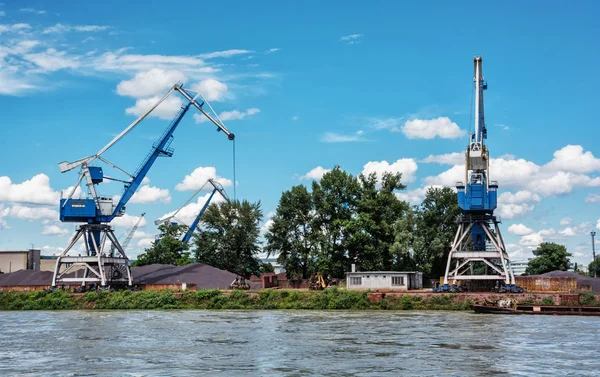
(539, 309)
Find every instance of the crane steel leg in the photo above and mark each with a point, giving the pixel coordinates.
(98, 265)
(494, 257)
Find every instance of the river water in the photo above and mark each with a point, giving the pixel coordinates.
(295, 343)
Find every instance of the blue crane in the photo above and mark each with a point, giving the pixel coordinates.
(217, 187)
(103, 265)
(478, 243)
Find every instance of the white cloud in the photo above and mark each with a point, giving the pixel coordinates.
(2, 14)
(441, 127)
(53, 60)
(532, 239)
(211, 89)
(352, 38)
(151, 194)
(272, 50)
(224, 54)
(520, 230)
(331, 137)
(568, 232)
(31, 10)
(4, 211)
(295, 117)
(149, 83)
(391, 124)
(51, 250)
(127, 221)
(53, 230)
(592, 198)
(598, 225)
(145, 243)
(33, 213)
(228, 115)
(188, 213)
(416, 196)
(36, 190)
(138, 234)
(565, 221)
(516, 205)
(62, 28)
(446, 159)
(406, 166)
(572, 159)
(166, 110)
(199, 177)
(315, 174)
(119, 61)
(14, 28)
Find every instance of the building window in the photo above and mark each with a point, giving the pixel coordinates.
(356, 280)
(397, 280)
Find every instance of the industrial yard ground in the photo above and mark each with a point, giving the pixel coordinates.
(329, 299)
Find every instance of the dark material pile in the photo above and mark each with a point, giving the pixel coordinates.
(202, 275)
(26, 277)
(581, 280)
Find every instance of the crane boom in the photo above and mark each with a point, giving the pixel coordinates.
(101, 209)
(132, 232)
(216, 187)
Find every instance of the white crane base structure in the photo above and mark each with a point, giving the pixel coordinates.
(104, 264)
(462, 258)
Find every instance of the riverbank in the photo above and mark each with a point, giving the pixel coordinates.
(330, 299)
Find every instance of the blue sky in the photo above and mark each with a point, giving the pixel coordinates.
(304, 85)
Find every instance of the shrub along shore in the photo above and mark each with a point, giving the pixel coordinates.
(329, 299)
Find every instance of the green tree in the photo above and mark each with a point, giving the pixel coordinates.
(594, 268)
(290, 235)
(370, 232)
(550, 256)
(335, 199)
(266, 268)
(168, 249)
(229, 237)
(435, 229)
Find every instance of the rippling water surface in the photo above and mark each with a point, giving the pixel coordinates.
(295, 343)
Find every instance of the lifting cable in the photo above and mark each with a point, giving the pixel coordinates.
(234, 181)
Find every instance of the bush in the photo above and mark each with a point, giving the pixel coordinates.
(548, 301)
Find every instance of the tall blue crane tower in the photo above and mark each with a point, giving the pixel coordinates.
(478, 245)
(104, 261)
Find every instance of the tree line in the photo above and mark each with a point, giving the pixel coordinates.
(342, 220)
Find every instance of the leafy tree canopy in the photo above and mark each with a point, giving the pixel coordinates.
(168, 249)
(550, 256)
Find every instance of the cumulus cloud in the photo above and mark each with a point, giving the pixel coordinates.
(4, 211)
(127, 221)
(54, 230)
(211, 89)
(520, 230)
(441, 127)
(188, 213)
(199, 177)
(446, 159)
(516, 205)
(415, 196)
(228, 115)
(166, 110)
(406, 166)
(573, 159)
(36, 190)
(533, 239)
(150, 83)
(565, 221)
(315, 174)
(150, 194)
(33, 213)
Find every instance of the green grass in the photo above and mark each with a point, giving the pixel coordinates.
(329, 299)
